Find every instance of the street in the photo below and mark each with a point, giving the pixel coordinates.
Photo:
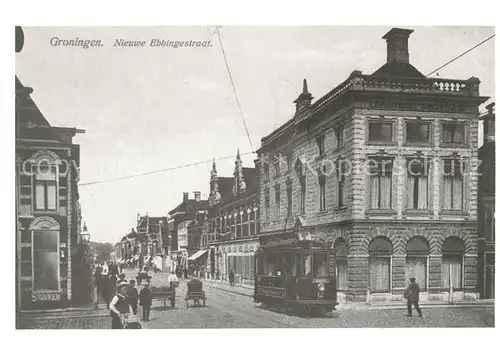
(229, 310)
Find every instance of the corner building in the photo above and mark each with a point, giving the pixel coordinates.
(383, 167)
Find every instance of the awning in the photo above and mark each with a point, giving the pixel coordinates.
(197, 255)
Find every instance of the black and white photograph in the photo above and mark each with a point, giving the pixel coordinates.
(225, 176)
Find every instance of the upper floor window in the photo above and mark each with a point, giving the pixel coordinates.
(380, 187)
(341, 170)
(320, 141)
(453, 133)
(453, 184)
(417, 132)
(302, 181)
(45, 180)
(289, 197)
(266, 172)
(417, 184)
(277, 201)
(339, 136)
(277, 170)
(266, 204)
(322, 192)
(380, 131)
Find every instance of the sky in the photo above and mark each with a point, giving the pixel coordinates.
(150, 108)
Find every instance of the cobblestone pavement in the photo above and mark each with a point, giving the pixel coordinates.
(227, 310)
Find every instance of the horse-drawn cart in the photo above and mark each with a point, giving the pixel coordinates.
(164, 293)
(195, 292)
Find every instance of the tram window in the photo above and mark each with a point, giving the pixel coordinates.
(320, 265)
(290, 266)
(260, 265)
(272, 265)
(307, 260)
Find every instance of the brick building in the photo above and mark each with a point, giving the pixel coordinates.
(185, 227)
(383, 167)
(233, 223)
(486, 208)
(47, 208)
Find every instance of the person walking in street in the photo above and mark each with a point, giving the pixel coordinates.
(185, 273)
(133, 296)
(120, 306)
(412, 294)
(145, 301)
(106, 289)
(121, 278)
(173, 281)
(231, 277)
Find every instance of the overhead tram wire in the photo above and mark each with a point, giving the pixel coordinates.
(160, 170)
(234, 89)
(249, 153)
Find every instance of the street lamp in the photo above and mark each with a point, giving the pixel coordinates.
(85, 235)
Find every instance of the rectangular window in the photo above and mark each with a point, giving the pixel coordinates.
(451, 272)
(417, 184)
(277, 171)
(277, 201)
(380, 274)
(453, 133)
(380, 131)
(321, 145)
(46, 260)
(416, 267)
(322, 192)
(289, 198)
(266, 172)
(341, 184)
(453, 185)
(302, 194)
(380, 184)
(289, 161)
(417, 132)
(45, 188)
(266, 200)
(339, 136)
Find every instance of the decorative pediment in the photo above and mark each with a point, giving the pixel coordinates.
(45, 155)
(44, 223)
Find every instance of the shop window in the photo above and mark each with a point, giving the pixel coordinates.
(453, 184)
(417, 184)
(45, 195)
(45, 260)
(380, 187)
(417, 256)
(380, 253)
(452, 263)
(341, 267)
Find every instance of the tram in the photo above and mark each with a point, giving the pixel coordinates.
(296, 275)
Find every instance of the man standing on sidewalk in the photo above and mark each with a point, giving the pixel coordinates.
(412, 294)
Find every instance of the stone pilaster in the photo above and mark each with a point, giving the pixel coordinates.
(434, 274)
(398, 274)
(470, 273)
(357, 272)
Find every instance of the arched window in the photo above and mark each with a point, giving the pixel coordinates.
(417, 256)
(452, 263)
(341, 258)
(380, 253)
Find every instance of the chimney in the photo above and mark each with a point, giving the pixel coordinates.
(397, 45)
(185, 197)
(197, 196)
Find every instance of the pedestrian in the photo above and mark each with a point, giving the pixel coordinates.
(145, 300)
(133, 296)
(231, 277)
(411, 294)
(173, 281)
(106, 289)
(120, 306)
(121, 278)
(185, 273)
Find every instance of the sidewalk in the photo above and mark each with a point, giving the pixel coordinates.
(246, 290)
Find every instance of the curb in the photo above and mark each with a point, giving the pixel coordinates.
(52, 317)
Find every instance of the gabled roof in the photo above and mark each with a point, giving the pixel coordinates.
(26, 109)
(190, 207)
(251, 180)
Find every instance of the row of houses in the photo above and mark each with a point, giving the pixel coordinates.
(386, 167)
